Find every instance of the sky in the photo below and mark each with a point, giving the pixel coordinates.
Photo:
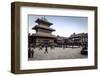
(64, 25)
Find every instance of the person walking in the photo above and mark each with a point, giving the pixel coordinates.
(40, 47)
(29, 52)
(32, 52)
(46, 48)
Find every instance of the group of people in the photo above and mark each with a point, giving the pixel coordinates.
(44, 46)
(31, 50)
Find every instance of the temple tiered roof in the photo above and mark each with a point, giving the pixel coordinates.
(44, 35)
(43, 27)
(43, 20)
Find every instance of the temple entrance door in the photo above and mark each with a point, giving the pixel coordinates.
(46, 42)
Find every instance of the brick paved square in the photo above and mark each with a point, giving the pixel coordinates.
(57, 53)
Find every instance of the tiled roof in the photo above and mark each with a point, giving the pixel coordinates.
(44, 21)
(79, 35)
(43, 27)
(44, 35)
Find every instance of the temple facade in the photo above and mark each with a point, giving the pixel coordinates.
(79, 39)
(43, 33)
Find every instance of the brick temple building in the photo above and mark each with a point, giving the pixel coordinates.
(79, 39)
(43, 32)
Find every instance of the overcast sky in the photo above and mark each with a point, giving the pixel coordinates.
(64, 25)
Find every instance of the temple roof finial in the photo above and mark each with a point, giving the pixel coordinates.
(44, 19)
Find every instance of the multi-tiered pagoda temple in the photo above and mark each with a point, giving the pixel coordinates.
(43, 32)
